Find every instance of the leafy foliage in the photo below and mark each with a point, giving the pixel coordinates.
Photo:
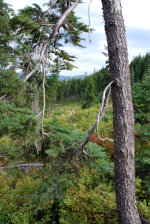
(89, 201)
(20, 125)
(12, 87)
(76, 88)
(139, 67)
(6, 36)
(17, 122)
(142, 199)
(15, 196)
(141, 99)
(142, 169)
(89, 97)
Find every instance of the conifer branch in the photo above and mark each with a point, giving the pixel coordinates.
(48, 41)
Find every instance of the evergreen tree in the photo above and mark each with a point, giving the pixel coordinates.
(89, 97)
(62, 91)
(51, 86)
(32, 26)
(10, 84)
(6, 36)
(139, 66)
(141, 99)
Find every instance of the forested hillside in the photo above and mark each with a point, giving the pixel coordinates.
(77, 89)
(49, 173)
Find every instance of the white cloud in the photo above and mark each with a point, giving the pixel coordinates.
(18, 4)
(136, 13)
(135, 52)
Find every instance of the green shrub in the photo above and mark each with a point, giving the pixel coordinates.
(15, 194)
(89, 201)
(142, 199)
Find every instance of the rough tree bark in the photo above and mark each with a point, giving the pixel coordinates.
(123, 113)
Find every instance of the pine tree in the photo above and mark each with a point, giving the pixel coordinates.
(139, 67)
(141, 99)
(89, 97)
(11, 86)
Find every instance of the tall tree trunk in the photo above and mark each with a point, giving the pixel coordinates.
(123, 113)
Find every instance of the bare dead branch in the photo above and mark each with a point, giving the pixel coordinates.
(45, 45)
(100, 114)
(48, 133)
(24, 166)
(87, 153)
(1, 168)
(48, 41)
(102, 110)
(55, 186)
(2, 97)
(44, 103)
(75, 143)
(39, 115)
(37, 144)
(89, 19)
(68, 3)
(47, 24)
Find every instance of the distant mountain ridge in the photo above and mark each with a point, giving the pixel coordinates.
(62, 77)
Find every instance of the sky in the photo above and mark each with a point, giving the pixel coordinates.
(136, 18)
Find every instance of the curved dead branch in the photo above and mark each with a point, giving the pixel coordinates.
(102, 110)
